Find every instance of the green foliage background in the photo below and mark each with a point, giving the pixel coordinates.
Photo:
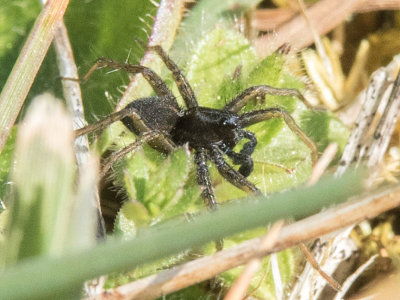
(209, 51)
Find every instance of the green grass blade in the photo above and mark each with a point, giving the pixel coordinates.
(27, 65)
(43, 276)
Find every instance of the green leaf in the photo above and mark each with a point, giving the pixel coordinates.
(204, 17)
(324, 128)
(214, 61)
(198, 292)
(132, 215)
(262, 285)
(156, 187)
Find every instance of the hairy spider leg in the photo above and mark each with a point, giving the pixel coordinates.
(131, 148)
(243, 158)
(204, 180)
(152, 78)
(237, 103)
(181, 82)
(230, 174)
(257, 116)
(117, 116)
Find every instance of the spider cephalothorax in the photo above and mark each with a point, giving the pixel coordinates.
(210, 133)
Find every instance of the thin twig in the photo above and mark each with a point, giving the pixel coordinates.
(239, 288)
(373, 5)
(327, 63)
(350, 280)
(322, 164)
(307, 229)
(318, 170)
(73, 98)
(313, 262)
(271, 19)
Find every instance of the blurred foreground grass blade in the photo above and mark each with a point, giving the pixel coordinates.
(83, 223)
(28, 64)
(43, 276)
(42, 183)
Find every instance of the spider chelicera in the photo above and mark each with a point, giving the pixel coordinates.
(210, 133)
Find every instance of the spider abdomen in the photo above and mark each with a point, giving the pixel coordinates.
(202, 127)
(159, 113)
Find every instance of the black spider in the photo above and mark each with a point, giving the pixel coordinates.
(210, 133)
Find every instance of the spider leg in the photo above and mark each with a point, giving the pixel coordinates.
(204, 180)
(134, 116)
(183, 85)
(231, 174)
(245, 162)
(243, 158)
(115, 156)
(237, 103)
(157, 84)
(257, 116)
(207, 190)
(117, 116)
(152, 78)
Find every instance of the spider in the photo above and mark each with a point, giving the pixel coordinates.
(210, 133)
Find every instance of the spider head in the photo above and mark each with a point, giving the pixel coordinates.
(203, 127)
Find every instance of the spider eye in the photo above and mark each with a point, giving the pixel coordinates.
(231, 121)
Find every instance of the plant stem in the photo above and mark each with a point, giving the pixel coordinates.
(27, 65)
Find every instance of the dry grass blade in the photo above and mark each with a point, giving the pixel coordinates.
(384, 130)
(372, 5)
(325, 14)
(370, 101)
(323, 163)
(271, 19)
(330, 280)
(318, 170)
(239, 288)
(72, 94)
(73, 97)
